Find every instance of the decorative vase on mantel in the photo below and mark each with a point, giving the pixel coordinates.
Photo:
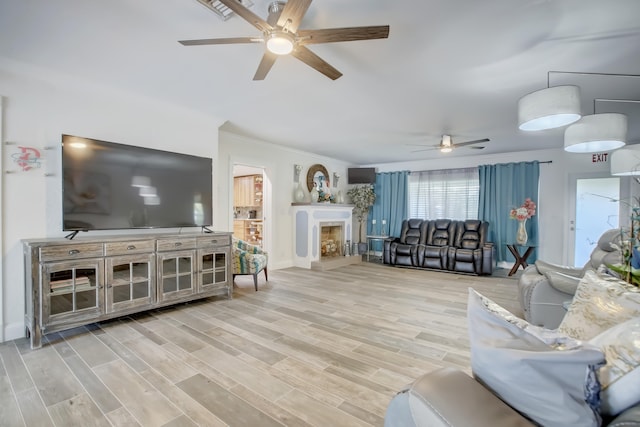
(521, 234)
(314, 195)
(298, 194)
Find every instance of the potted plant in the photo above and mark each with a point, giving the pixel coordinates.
(362, 197)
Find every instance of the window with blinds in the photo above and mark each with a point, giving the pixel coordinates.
(447, 193)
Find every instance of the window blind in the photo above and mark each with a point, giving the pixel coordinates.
(447, 193)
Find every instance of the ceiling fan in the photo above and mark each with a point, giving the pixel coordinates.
(447, 145)
(281, 35)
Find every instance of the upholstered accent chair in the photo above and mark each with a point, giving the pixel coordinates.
(248, 259)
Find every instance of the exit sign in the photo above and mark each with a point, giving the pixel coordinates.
(599, 157)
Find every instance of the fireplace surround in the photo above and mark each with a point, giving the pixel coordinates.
(318, 228)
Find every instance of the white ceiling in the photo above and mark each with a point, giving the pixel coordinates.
(449, 66)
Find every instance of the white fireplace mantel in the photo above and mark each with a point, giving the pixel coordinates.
(307, 221)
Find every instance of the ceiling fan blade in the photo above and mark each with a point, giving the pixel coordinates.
(247, 15)
(230, 40)
(477, 141)
(292, 14)
(268, 59)
(347, 34)
(314, 61)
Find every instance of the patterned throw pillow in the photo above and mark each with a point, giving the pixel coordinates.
(600, 302)
(620, 377)
(548, 377)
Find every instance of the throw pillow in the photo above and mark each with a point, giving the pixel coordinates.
(620, 376)
(600, 302)
(548, 377)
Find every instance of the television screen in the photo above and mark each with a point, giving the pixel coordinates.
(109, 186)
(361, 175)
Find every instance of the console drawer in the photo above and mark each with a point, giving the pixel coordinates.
(175, 244)
(213, 241)
(129, 247)
(73, 251)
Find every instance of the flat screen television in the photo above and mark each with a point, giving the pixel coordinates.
(110, 186)
(361, 175)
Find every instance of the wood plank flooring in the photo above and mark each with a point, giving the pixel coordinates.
(311, 348)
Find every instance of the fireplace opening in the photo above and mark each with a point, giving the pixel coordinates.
(331, 239)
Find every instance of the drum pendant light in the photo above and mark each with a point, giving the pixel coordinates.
(549, 108)
(596, 133)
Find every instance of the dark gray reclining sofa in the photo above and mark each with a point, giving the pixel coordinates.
(442, 244)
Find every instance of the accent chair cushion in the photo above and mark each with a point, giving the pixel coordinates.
(620, 377)
(600, 302)
(548, 377)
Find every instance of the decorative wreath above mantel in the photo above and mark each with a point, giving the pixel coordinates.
(314, 176)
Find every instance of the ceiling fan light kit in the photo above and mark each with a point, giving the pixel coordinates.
(446, 145)
(280, 42)
(549, 108)
(596, 133)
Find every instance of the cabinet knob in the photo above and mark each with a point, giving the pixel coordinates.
(178, 244)
(131, 247)
(74, 252)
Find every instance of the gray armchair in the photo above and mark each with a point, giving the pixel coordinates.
(543, 288)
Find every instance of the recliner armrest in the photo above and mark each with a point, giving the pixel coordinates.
(630, 417)
(544, 267)
(449, 397)
(563, 282)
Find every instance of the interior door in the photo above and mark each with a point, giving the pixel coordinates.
(596, 208)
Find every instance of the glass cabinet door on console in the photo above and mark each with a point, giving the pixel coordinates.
(213, 265)
(129, 282)
(176, 275)
(71, 291)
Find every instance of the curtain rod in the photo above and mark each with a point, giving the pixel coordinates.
(471, 167)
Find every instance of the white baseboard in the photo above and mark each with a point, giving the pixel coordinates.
(12, 331)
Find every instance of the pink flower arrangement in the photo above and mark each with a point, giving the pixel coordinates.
(526, 211)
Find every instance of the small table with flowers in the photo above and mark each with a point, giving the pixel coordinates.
(521, 260)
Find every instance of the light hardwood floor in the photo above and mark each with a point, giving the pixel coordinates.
(320, 348)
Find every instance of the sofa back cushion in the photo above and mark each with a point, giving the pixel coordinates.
(441, 232)
(410, 233)
(470, 234)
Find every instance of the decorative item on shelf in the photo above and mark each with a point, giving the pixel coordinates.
(298, 194)
(336, 179)
(374, 228)
(384, 228)
(324, 194)
(314, 194)
(317, 175)
(296, 172)
(522, 214)
(362, 197)
(339, 197)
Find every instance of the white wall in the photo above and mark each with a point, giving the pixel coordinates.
(278, 162)
(554, 196)
(36, 113)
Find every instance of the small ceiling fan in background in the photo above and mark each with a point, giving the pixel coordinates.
(281, 35)
(447, 145)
